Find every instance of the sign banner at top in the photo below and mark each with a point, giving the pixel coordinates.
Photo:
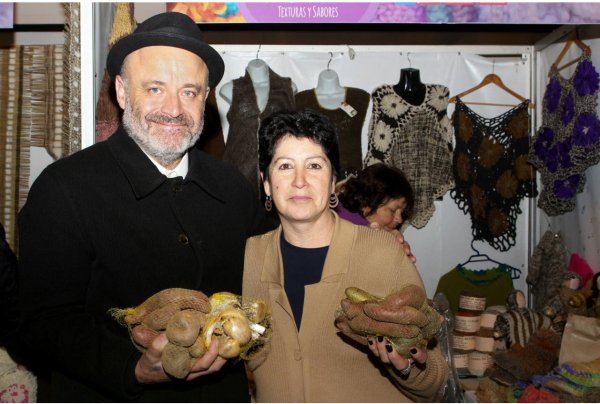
(6, 15)
(402, 12)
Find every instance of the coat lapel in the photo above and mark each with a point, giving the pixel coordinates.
(272, 274)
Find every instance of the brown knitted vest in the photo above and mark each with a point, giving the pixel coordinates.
(211, 140)
(348, 128)
(241, 148)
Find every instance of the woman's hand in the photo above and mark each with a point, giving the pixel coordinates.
(384, 350)
(400, 238)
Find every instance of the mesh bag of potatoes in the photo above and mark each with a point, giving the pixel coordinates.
(191, 320)
(403, 317)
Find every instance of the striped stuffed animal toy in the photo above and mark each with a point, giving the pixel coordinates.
(517, 325)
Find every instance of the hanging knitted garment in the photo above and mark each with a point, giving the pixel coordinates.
(348, 127)
(211, 139)
(108, 112)
(491, 171)
(494, 283)
(547, 269)
(568, 141)
(241, 148)
(418, 140)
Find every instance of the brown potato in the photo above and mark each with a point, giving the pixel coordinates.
(184, 327)
(176, 361)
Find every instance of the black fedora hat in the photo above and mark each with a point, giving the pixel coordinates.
(167, 29)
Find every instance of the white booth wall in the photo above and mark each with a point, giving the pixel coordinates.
(446, 239)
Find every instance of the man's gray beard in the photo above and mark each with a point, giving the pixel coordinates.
(136, 132)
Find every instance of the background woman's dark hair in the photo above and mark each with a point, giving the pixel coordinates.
(374, 186)
(301, 124)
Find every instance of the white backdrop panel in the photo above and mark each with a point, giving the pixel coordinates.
(446, 240)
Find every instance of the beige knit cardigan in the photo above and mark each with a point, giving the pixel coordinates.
(316, 364)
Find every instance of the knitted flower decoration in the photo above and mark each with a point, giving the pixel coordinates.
(552, 95)
(586, 79)
(568, 110)
(490, 152)
(507, 185)
(518, 126)
(567, 188)
(463, 167)
(543, 143)
(466, 126)
(587, 130)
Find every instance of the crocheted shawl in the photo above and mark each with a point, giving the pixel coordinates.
(568, 141)
(491, 171)
(418, 140)
(349, 128)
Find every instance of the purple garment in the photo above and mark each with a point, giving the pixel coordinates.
(351, 216)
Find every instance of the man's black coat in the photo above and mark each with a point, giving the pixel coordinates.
(103, 228)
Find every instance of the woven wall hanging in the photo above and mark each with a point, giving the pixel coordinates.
(31, 114)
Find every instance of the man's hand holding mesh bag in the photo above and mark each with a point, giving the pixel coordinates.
(184, 334)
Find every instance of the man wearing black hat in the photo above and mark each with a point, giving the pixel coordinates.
(125, 218)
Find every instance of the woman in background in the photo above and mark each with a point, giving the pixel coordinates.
(302, 270)
(381, 197)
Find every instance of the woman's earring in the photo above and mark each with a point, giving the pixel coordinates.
(268, 203)
(333, 200)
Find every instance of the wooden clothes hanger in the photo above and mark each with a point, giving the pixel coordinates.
(515, 273)
(572, 39)
(490, 79)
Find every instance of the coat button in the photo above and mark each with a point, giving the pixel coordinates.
(297, 354)
(183, 239)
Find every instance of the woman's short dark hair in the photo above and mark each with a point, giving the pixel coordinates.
(300, 124)
(374, 186)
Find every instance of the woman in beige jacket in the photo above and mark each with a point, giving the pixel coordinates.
(302, 269)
